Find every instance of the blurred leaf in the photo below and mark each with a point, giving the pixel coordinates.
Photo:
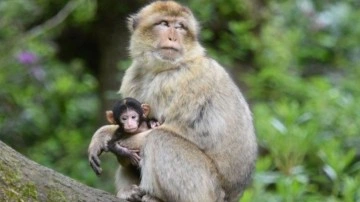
(86, 11)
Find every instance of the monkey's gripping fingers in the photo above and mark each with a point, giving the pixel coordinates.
(99, 144)
(154, 124)
(136, 193)
(119, 150)
(95, 165)
(149, 198)
(132, 154)
(95, 162)
(134, 157)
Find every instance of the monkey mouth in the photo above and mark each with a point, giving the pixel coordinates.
(169, 53)
(166, 48)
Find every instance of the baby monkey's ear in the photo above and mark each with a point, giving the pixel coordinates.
(146, 109)
(110, 117)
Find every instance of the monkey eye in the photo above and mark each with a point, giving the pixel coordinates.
(163, 23)
(180, 26)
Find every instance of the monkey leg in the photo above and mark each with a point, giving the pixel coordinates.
(126, 180)
(174, 169)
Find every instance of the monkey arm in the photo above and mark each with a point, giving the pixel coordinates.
(125, 152)
(128, 147)
(98, 144)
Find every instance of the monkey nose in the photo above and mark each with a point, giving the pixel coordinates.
(172, 35)
(172, 38)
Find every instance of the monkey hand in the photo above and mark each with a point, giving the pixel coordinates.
(98, 144)
(154, 124)
(134, 157)
(121, 151)
(95, 162)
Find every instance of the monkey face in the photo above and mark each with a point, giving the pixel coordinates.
(170, 33)
(130, 120)
(164, 30)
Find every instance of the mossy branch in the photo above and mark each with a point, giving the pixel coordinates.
(24, 180)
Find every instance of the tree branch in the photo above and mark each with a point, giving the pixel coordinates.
(24, 180)
(54, 21)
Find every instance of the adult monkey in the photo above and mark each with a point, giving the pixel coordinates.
(205, 150)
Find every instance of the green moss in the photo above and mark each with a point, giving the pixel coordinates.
(29, 191)
(13, 187)
(9, 176)
(56, 195)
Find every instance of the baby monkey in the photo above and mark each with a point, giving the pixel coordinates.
(131, 117)
(130, 123)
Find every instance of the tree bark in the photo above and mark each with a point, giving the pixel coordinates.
(24, 180)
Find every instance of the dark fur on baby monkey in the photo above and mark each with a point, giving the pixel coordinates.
(131, 116)
(126, 137)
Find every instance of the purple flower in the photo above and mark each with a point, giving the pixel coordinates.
(27, 58)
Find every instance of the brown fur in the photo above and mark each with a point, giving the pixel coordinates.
(205, 150)
(198, 101)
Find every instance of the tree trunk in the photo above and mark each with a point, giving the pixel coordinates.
(112, 38)
(24, 180)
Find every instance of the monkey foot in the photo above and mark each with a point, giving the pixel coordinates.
(148, 198)
(133, 194)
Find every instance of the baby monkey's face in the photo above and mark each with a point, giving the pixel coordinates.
(130, 120)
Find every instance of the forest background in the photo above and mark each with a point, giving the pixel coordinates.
(297, 62)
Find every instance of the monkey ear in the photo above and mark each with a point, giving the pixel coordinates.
(110, 117)
(132, 22)
(146, 109)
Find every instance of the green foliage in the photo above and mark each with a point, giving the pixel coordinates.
(48, 108)
(86, 11)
